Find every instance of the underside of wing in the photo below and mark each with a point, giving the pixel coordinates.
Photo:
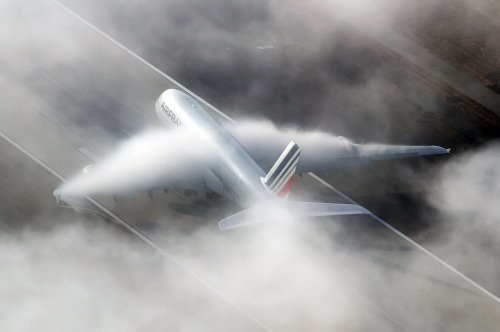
(147, 162)
(320, 151)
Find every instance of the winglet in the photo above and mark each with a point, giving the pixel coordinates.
(279, 179)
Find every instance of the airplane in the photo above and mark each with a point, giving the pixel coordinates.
(250, 168)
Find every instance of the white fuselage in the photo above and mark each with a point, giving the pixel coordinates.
(234, 174)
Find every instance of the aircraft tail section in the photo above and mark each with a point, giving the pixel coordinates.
(279, 179)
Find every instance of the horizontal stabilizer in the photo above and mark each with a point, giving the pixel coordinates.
(258, 214)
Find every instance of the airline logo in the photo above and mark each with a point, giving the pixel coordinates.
(279, 179)
(169, 114)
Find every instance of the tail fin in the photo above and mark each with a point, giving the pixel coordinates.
(279, 179)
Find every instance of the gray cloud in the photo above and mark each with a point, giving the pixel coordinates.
(327, 67)
(321, 73)
(467, 195)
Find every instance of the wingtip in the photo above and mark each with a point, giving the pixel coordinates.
(441, 150)
(57, 194)
(222, 226)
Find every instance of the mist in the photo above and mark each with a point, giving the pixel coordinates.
(177, 159)
(319, 66)
(152, 160)
(168, 159)
(95, 278)
(269, 270)
(79, 277)
(466, 196)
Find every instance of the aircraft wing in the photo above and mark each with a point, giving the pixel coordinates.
(362, 154)
(320, 151)
(147, 162)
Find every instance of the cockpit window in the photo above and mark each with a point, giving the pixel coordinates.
(191, 102)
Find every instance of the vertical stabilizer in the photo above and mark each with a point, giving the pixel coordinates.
(279, 179)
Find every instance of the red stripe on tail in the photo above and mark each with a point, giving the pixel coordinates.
(286, 188)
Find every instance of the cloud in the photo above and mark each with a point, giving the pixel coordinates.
(90, 278)
(466, 194)
(149, 161)
(272, 270)
(85, 276)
